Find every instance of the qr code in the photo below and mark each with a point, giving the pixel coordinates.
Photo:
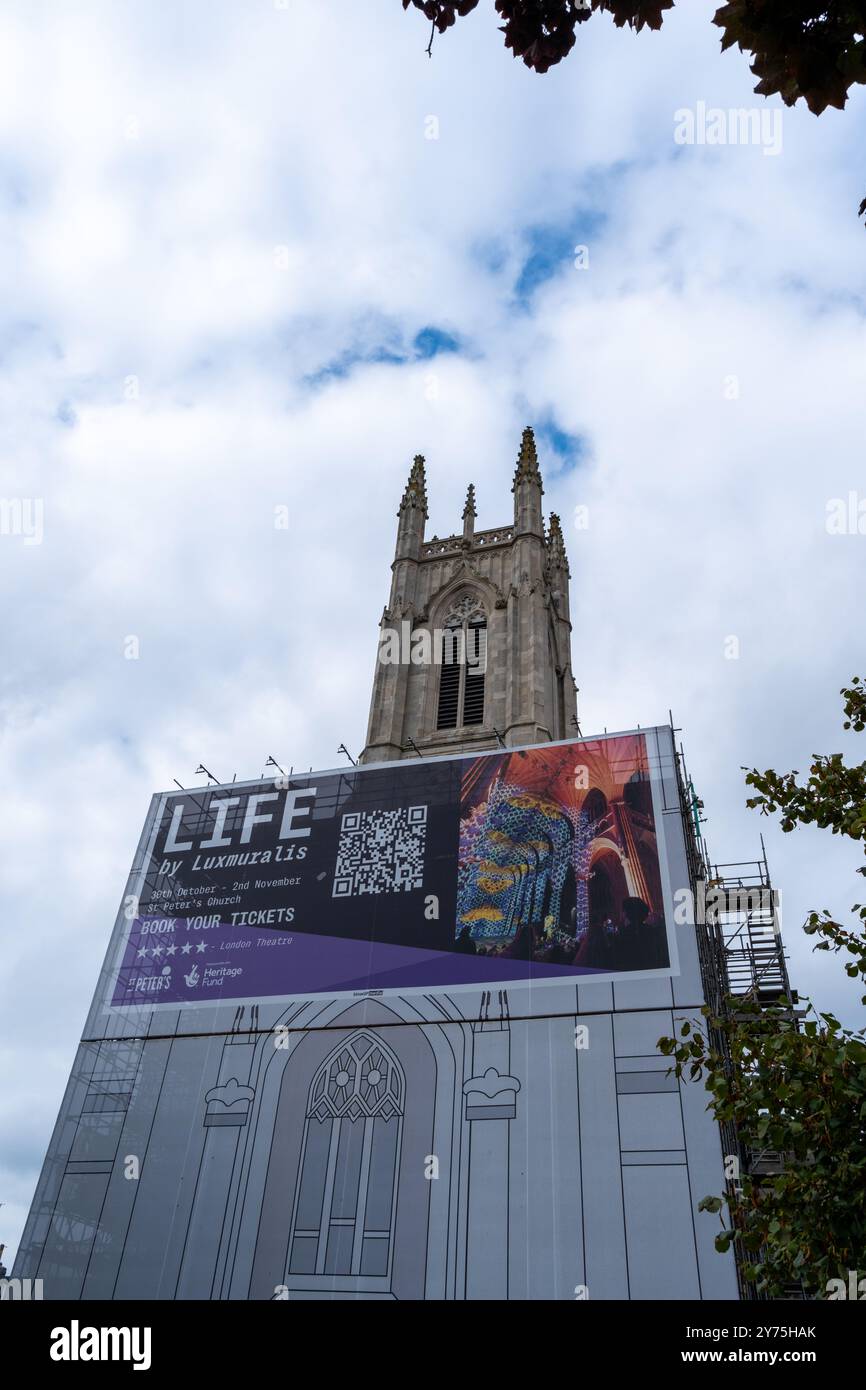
(381, 852)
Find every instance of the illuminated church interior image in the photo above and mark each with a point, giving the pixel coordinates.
(552, 872)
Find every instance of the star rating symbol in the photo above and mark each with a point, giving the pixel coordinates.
(142, 951)
(157, 951)
(201, 947)
(171, 950)
(185, 950)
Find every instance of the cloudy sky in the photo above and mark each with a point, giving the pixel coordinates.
(257, 255)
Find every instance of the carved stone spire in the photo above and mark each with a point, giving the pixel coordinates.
(469, 514)
(527, 490)
(556, 556)
(412, 516)
(415, 492)
(527, 461)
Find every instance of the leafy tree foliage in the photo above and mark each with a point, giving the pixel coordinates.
(798, 1091)
(799, 48)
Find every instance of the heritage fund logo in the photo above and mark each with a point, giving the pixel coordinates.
(77, 1343)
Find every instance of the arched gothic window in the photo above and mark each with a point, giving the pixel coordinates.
(345, 1200)
(462, 659)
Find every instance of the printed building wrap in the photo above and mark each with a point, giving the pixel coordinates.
(433, 1074)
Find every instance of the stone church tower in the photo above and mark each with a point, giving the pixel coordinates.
(475, 642)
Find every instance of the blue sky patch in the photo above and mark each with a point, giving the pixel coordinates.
(569, 449)
(427, 343)
(551, 251)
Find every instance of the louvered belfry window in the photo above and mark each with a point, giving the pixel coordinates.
(463, 665)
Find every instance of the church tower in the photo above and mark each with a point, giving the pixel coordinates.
(475, 641)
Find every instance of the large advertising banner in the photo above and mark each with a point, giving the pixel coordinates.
(539, 864)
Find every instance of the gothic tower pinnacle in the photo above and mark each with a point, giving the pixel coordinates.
(469, 514)
(528, 489)
(556, 556)
(413, 513)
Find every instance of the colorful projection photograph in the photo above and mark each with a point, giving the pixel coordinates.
(559, 858)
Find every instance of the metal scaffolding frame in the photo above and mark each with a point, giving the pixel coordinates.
(742, 960)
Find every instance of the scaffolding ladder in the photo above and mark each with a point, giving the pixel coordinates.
(749, 933)
(742, 961)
